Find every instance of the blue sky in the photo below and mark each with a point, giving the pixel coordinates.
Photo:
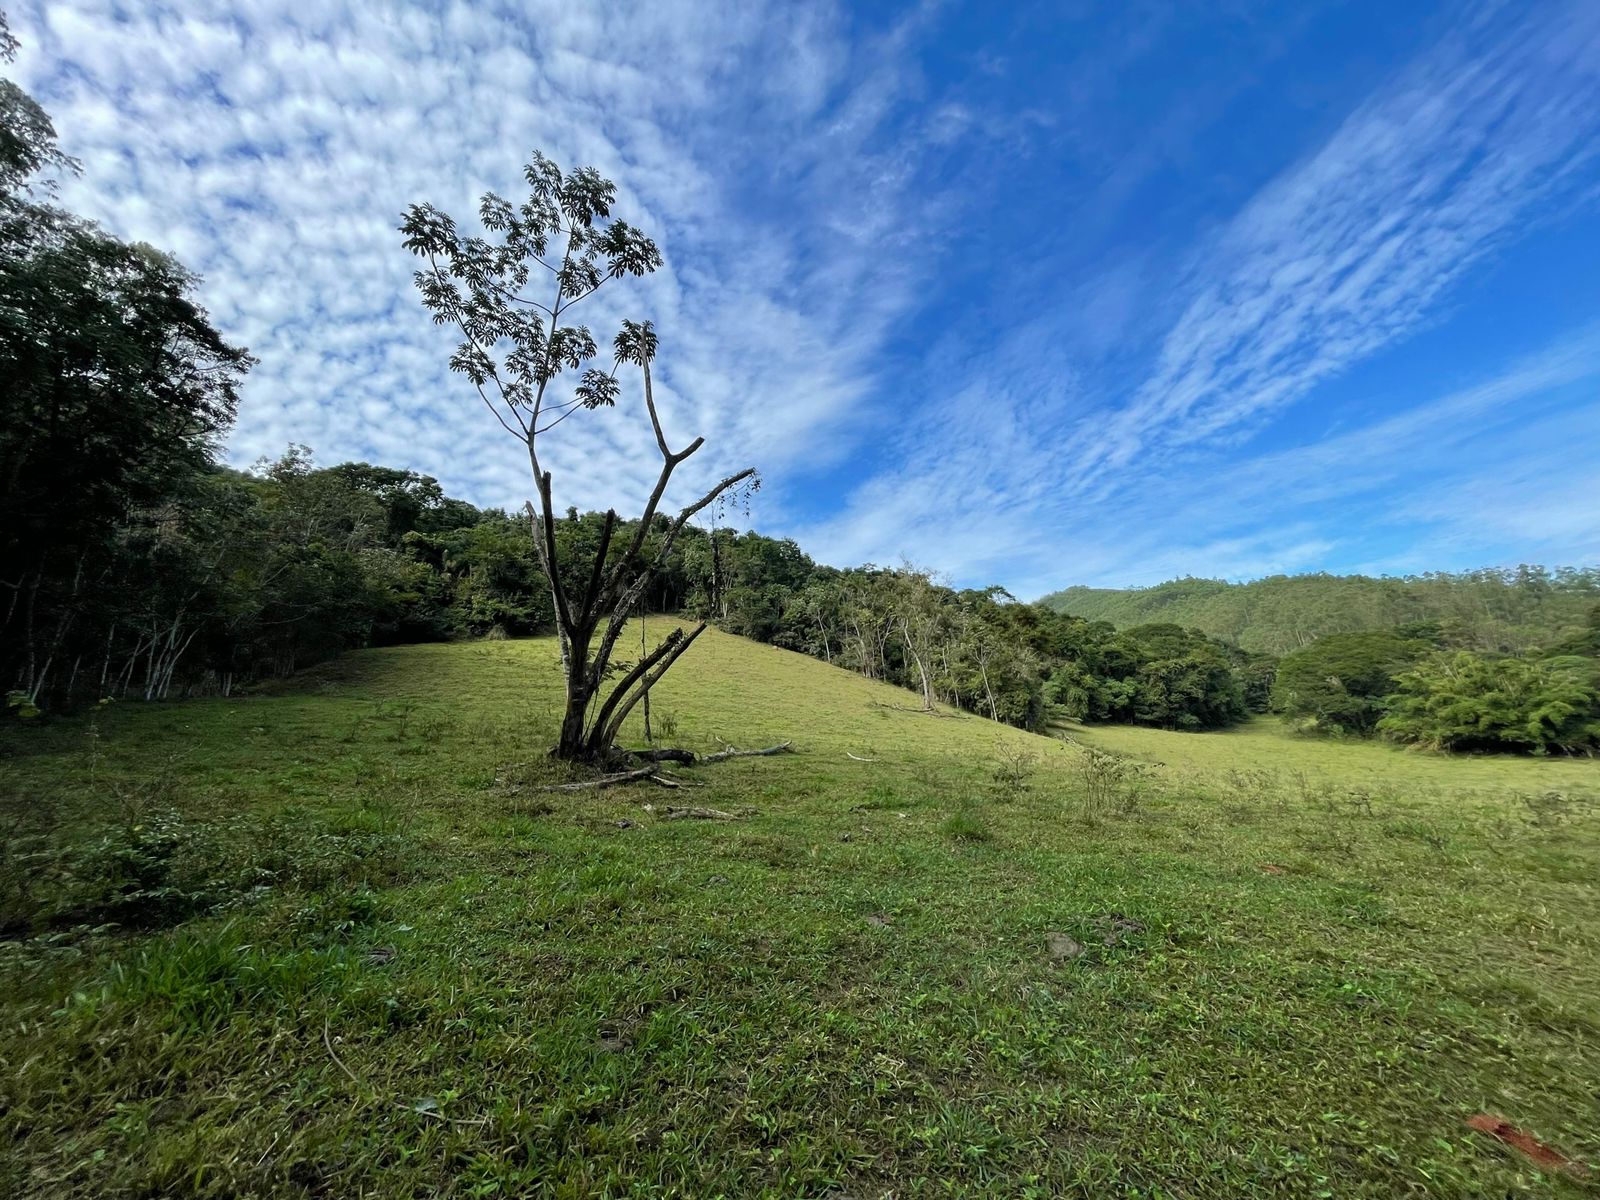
(1027, 294)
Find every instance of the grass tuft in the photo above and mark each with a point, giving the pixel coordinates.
(965, 825)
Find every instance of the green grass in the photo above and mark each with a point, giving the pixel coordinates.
(1264, 743)
(327, 942)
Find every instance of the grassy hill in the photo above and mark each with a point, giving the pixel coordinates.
(357, 954)
(1495, 610)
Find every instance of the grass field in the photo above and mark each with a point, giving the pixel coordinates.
(1263, 744)
(328, 941)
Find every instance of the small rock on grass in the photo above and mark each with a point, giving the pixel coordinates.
(1062, 948)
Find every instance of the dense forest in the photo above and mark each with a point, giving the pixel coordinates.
(1488, 660)
(135, 564)
(236, 576)
(1496, 611)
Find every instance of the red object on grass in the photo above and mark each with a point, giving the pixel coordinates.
(1546, 1157)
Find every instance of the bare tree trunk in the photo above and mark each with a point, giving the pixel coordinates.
(922, 671)
(105, 663)
(642, 651)
(885, 632)
(868, 668)
(31, 679)
(994, 711)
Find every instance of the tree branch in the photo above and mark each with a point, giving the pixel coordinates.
(731, 752)
(461, 324)
(624, 605)
(603, 782)
(668, 644)
(609, 731)
(655, 421)
(597, 571)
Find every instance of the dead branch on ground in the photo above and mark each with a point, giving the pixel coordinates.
(731, 752)
(672, 813)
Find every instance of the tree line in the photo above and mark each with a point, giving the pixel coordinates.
(1420, 685)
(236, 576)
(1494, 611)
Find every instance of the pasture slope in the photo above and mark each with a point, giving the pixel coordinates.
(329, 941)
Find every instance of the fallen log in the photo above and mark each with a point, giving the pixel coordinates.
(672, 813)
(730, 752)
(603, 781)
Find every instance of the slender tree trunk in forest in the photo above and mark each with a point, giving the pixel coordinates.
(994, 711)
(922, 670)
(105, 663)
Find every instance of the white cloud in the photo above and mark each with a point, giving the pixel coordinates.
(273, 147)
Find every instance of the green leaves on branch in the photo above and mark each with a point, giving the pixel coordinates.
(497, 288)
(636, 343)
(597, 388)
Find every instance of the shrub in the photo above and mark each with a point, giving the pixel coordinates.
(1014, 766)
(1110, 782)
(1466, 701)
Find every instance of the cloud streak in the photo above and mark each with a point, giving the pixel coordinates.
(1343, 254)
(1351, 249)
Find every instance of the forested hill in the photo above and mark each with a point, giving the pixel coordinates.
(1507, 611)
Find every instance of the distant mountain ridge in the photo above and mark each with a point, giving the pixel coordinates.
(1508, 610)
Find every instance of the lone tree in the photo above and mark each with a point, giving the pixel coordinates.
(509, 294)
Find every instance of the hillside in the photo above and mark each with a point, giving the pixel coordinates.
(355, 952)
(1511, 611)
